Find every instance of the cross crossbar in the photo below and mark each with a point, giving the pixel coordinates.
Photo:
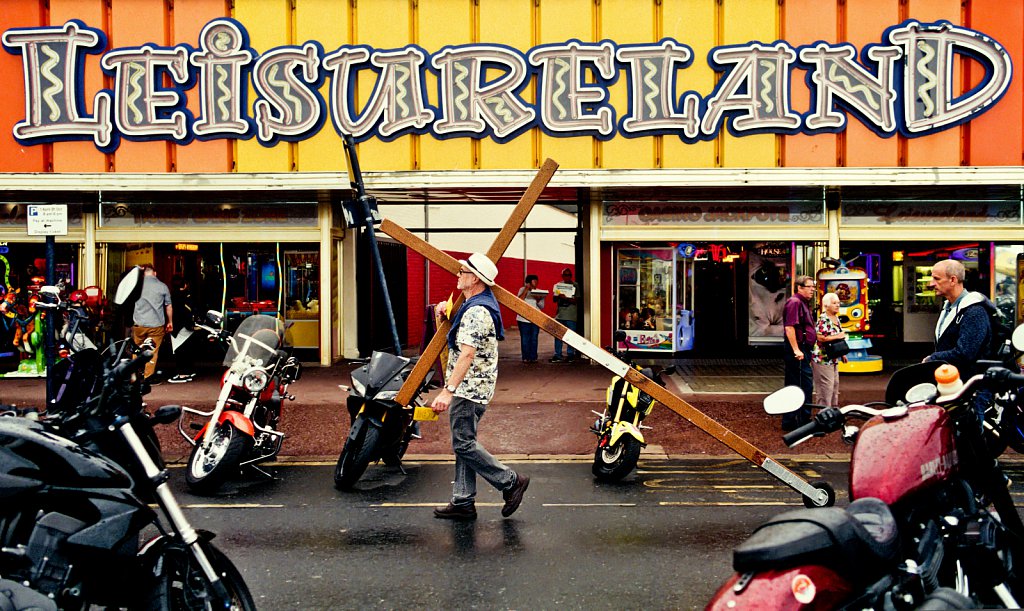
(698, 418)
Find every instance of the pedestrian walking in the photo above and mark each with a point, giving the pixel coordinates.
(799, 339)
(567, 295)
(826, 370)
(153, 315)
(470, 379)
(529, 332)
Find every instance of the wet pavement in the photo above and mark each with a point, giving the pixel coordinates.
(661, 539)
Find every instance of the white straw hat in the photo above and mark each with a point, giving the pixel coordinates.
(482, 267)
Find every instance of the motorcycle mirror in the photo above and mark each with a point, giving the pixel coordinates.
(1017, 339)
(784, 400)
(923, 392)
(620, 336)
(214, 317)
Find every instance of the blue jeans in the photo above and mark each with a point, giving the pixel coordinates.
(471, 459)
(569, 350)
(528, 334)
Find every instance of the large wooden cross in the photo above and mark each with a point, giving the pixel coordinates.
(595, 353)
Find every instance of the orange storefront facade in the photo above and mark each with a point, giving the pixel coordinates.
(709, 144)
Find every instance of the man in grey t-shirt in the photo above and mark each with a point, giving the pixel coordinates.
(153, 314)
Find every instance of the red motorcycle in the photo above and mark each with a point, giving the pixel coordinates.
(931, 523)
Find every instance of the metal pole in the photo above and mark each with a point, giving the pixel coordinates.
(51, 280)
(368, 221)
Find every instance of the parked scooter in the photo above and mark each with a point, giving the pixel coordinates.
(618, 429)
(242, 428)
(72, 519)
(931, 522)
(381, 429)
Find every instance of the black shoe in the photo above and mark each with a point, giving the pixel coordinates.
(555, 359)
(514, 495)
(456, 512)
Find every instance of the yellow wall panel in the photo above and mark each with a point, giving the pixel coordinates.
(327, 22)
(627, 22)
(691, 22)
(269, 25)
(508, 22)
(383, 24)
(561, 21)
(442, 23)
(942, 148)
(745, 21)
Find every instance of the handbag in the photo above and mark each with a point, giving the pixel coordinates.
(835, 349)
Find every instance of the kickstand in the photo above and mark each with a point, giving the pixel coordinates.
(262, 472)
(402, 469)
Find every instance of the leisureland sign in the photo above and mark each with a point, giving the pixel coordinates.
(905, 85)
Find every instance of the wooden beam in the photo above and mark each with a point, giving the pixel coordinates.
(497, 251)
(701, 420)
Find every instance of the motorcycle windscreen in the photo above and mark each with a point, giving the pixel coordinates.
(257, 338)
(382, 368)
(906, 378)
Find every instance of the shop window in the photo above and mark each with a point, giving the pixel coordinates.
(185, 216)
(645, 296)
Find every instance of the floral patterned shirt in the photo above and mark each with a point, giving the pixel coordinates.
(477, 330)
(826, 326)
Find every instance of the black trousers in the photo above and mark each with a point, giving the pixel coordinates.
(798, 373)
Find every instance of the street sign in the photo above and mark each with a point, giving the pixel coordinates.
(47, 219)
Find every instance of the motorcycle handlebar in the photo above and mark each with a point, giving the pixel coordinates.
(122, 370)
(796, 436)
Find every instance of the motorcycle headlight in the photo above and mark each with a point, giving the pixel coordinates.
(359, 386)
(386, 395)
(255, 380)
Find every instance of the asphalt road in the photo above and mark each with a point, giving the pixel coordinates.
(660, 539)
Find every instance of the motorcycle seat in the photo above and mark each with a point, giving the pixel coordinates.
(860, 541)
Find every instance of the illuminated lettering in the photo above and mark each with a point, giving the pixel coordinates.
(52, 64)
(139, 103)
(567, 103)
(287, 79)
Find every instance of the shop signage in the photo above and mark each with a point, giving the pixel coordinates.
(703, 213)
(906, 84)
(48, 219)
(952, 213)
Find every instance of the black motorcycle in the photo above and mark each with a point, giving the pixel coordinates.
(73, 521)
(381, 429)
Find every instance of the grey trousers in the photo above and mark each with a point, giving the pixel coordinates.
(471, 459)
(826, 384)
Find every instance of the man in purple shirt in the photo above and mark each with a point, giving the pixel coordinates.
(797, 345)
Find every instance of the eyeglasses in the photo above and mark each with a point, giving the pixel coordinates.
(464, 271)
(807, 286)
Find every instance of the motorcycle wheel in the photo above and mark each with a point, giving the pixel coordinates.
(829, 491)
(208, 469)
(356, 455)
(612, 463)
(180, 583)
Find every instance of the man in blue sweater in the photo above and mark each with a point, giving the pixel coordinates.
(963, 332)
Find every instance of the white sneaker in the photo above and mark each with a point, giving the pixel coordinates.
(182, 378)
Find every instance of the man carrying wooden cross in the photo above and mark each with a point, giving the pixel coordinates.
(470, 379)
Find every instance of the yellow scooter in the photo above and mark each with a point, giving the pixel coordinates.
(618, 429)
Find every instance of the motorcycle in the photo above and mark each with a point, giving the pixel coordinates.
(242, 428)
(72, 518)
(618, 429)
(931, 523)
(381, 429)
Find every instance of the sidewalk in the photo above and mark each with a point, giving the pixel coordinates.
(538, 409)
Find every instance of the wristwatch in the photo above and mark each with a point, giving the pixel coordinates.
(450, 388)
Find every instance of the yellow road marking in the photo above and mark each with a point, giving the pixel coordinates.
(728, 504)
(588, 504)
(230, 506)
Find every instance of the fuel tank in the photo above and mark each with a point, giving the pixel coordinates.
(900, 456)
(31, 457)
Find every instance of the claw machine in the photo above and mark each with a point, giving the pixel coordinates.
(646, 299)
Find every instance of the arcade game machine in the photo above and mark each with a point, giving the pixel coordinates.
(850, 284)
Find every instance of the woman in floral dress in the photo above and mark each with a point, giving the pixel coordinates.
(826, 370)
